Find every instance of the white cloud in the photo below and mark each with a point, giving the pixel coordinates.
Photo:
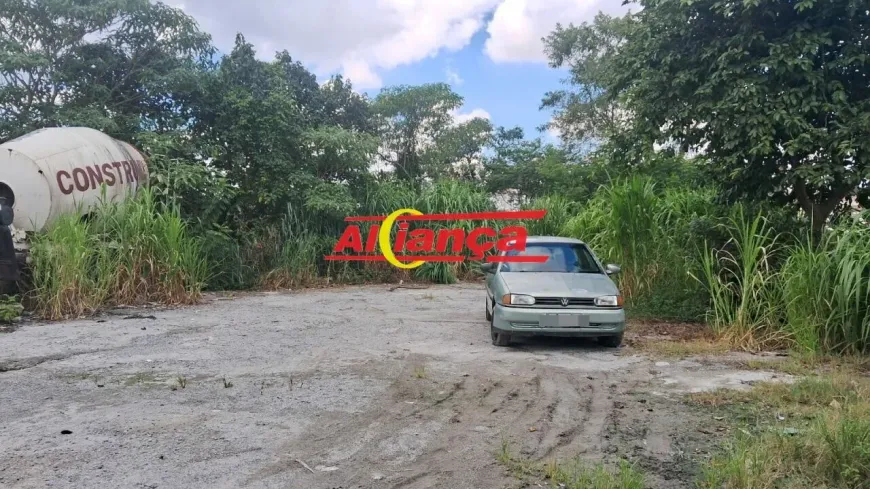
(453, 77)
(553, 136)
(518, 25)
(361, 74)
(365, 38)
(459, 117)
(361, 38)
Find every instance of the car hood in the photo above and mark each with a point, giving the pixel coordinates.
(540, 284)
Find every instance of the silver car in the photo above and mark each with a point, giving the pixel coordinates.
(571, 294)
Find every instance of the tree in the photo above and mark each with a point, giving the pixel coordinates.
(284, 142)
(458, 151)
(777, 94)
(584, 115)
(115, 65)
(529, 169)
(420, 137)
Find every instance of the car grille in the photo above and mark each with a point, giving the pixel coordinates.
(557, 302)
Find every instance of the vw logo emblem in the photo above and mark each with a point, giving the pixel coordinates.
(565, 302)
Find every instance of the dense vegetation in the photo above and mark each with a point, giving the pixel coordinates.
(712, 148)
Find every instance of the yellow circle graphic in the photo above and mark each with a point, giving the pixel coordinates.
(384, 239)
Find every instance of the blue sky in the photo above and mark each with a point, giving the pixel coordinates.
(493, 46)
(510, 93)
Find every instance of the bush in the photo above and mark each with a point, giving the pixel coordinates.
(10, 309)
(130, 253)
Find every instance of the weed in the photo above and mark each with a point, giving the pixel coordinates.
(741, 284)
(649, 232)
(140, 378)
(181, 381)
(420, 372)
(814, 433)
(789, 366)
(227, 383)
(10, 309)
(578, 474)
(572, 474)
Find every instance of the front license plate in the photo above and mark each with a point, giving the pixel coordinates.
(564, 321)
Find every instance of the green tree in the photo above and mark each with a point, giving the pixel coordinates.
(284, 142)
(584, 115)
(458, 150)
(420, 137)
(529, 169)
(180, 175)
(115, 65)
(775, 93)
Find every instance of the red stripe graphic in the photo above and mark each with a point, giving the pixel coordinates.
(400, 258)
(449, 258)
(472, 216)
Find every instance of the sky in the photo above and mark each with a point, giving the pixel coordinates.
(489, 51)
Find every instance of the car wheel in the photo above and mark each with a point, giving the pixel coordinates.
(499, 339)
(611, 341)
(488, 314)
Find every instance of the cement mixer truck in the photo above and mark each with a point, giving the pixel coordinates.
(56, 171)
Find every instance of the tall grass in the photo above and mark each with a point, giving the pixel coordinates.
(291, 254)
(826, 291)
(811, 295)
(298, 261)
(649, 233)
(129, 253)
(559, 212)
(741, 282)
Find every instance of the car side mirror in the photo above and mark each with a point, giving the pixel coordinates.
(612, 269)
(488, 267)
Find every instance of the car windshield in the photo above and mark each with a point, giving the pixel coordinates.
(562, 258)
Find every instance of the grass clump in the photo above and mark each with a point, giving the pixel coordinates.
(10, 309)
(826, 291)
(742, 284)
(813, 433)
(573, 474)
(131, 253)
(420, 372)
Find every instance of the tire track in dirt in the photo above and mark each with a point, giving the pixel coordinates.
(434, 425)
(568, 416)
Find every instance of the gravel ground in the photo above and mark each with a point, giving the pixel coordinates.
(341, 388)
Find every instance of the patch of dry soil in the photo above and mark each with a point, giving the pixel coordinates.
(343, 388)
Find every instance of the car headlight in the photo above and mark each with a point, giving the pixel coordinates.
(609, 301)
(518, 300)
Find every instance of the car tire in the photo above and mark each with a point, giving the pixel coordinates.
(488, 314)
(499, 339)
(611, 341)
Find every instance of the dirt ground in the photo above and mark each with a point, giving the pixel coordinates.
(341, 388)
